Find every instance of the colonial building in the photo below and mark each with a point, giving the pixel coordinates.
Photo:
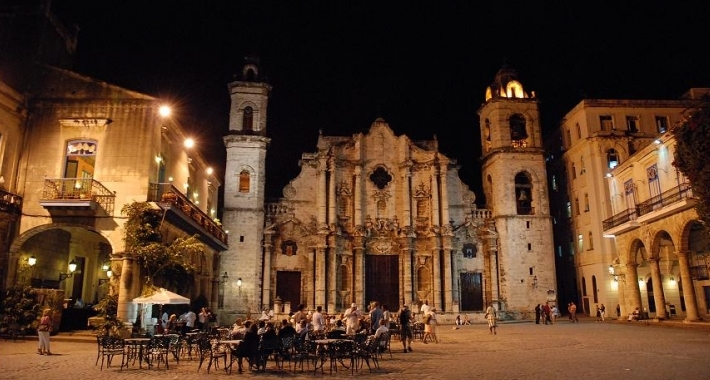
(623, 214)
(379, 217)
(75, 151)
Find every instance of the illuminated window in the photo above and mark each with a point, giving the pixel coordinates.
(612, 158)
(661, 124)
(244, 180)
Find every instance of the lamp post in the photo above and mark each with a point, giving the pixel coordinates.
(72, 268)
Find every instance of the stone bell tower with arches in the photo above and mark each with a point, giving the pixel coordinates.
(244, 187)
(515, 187)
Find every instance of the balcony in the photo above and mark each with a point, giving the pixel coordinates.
(186, 215)
(10, 203)
(77, 194)
(660, 206)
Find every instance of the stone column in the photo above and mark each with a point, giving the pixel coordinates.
(129, 274)
(691, 304)
(266, 280)
(332, 291)
(444, 197)
(320, 276)
(448, 293)
(436, 221)
(436, 279)
(357, 193)
(658, 294)
(408, 280)
(322, 192)
(331, 192)
(358, 276)
(632, 290)
(406, 196)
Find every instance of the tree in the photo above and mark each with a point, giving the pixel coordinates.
(170, 262)
(20, 306)
(692, 154)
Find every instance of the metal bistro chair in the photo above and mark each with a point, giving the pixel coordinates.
(211, 349)
(384, 344)
(158, 351)
(110, 347)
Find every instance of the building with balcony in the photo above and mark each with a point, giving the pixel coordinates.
(75, 152)
(622, 212)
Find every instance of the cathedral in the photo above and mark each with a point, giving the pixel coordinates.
(379, 217)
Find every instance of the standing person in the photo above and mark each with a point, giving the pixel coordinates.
(352, 317)
(573, 312)
(538, 310)
(546, 311)
(190, 319)
(203, 319)
(602, 312)
(164, 320)
(492, 317)
(375, 316)
(300, 314)
(555, 313)
(405, 328)
(386, 314)
(430, 326)
(425, 309)
(317, 319)
(43, 331)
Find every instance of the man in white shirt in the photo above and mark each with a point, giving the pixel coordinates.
(425, 308)
(352, 316)
(382, 329)
(317, 320)
(190, 318)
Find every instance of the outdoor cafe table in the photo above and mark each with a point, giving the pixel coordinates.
(328, 349)
(230, 342)
(136, 349)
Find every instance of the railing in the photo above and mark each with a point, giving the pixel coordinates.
(79, 189)
(10, 203)
(166, 193)
(666, 198)
(620, 218)
(655, 203)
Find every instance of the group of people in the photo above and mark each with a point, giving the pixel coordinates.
(546, 314)
(187, 321)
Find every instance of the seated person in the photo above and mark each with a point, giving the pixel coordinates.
(238, 329)
(249, 347)
(173, 327)
(286, 329)
(466, 321)
(382, 330)
(635, 315)
(458, 320)
(338, 331)
(262, 327)
(302, 332)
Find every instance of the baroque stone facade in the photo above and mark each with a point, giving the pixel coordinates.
(379, 217)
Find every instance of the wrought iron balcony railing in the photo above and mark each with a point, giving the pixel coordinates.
(656, 203)
(10, 203)
(76, 192)
(169, 195)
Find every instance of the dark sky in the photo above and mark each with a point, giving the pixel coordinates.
(421, 65)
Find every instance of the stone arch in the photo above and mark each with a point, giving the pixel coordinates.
(637, 253)
(662, 245)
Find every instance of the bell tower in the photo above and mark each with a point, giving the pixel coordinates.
(515, 187)
(244, 186)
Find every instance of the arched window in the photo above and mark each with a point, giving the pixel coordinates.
(488, 130)
(574, 171)
(244, 180)
(523, 194)
(586, 202)
(612, 158)
(579, 131)
(248, 120)
(517, 128)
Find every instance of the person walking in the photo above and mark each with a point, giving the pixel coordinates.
(405, 328)
(375, 316)
(546, 311)
(430, 326)
(602, 312)
(43, 331)
(492, 317)
(538, 310)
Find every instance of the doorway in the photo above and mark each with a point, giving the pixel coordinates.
(382, 280)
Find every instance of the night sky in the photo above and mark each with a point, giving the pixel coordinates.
(423, 66)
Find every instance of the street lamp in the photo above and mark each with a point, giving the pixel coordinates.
(109, 274)
(72, 268)
(31, 261)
